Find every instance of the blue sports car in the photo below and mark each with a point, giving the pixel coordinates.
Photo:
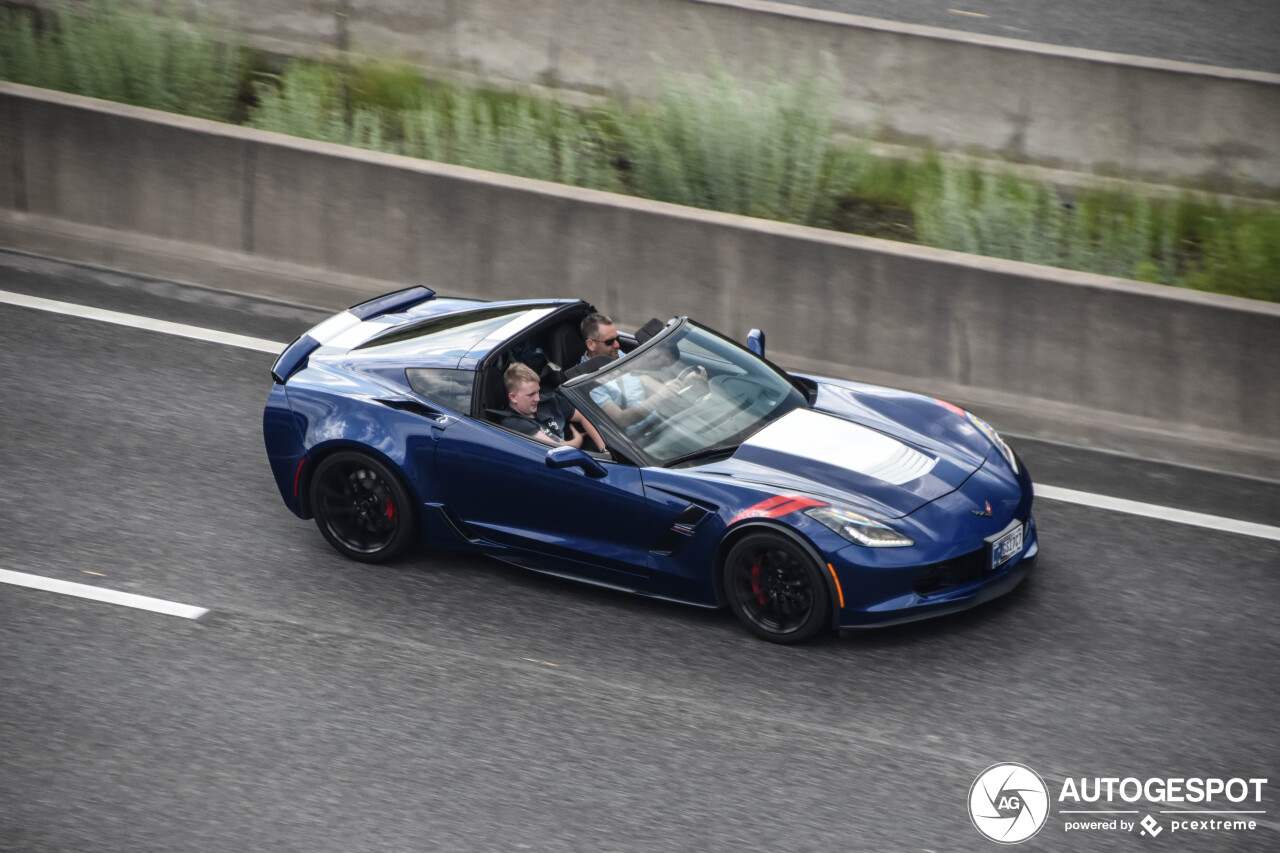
(804, 504)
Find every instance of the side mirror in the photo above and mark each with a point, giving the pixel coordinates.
(755, 342)
(572, 457)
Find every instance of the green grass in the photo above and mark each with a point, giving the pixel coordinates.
(714, 145)
(1240, 254)
(124, 56)
(390, 111)
(1181, 242)
(769, 152)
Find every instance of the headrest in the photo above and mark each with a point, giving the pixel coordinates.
(588, 366)
(551, 376)
(534, 357)
(649, 329)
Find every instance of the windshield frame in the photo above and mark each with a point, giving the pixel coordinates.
(576, 390)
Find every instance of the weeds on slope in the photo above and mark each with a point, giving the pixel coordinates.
(120, 55)
(769, 152)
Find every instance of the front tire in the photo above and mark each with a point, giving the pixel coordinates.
(361, 507)
(775, 589)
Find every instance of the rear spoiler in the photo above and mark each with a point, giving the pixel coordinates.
(295, 355)
(391, 302)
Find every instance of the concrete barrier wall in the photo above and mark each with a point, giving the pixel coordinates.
(109, 175)
(1063, 108)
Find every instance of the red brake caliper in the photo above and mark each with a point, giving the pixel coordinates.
(755, 579)
(390, 511)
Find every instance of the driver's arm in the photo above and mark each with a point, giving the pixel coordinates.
(626, 417)
(656, 394)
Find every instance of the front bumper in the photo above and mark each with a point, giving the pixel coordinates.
(891, 599)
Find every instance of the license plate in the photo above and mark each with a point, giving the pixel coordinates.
(1008, 546)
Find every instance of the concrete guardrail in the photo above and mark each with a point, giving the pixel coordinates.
(1020, 102)
(326, 225)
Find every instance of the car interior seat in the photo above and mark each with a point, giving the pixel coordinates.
(589, 366)
(565, 345)
(494, 394)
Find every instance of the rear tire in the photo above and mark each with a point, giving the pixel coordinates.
(361, 507)
(775, 589)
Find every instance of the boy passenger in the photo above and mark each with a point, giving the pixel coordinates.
(546, 420)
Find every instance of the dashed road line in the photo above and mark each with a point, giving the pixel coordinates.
(109, 596)
(134, 321)
(1180, 516)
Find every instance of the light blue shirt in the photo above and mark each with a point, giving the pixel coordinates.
(625, 391)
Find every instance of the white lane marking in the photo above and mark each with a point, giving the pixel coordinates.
(136, 322)
(97, 593)
(1181, 516)
(1053, 493)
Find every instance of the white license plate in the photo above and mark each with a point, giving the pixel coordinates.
(1007, 547)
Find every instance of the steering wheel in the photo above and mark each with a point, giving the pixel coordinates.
(685, 375)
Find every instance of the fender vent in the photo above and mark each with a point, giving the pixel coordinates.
(680, 531)
(413, 407)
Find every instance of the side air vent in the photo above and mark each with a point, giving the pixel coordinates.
(412, 406)
(680, 531)
(687, 520)
(459, 526)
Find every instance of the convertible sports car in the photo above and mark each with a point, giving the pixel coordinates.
(803, 504)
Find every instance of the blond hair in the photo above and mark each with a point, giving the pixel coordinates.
(518, 374)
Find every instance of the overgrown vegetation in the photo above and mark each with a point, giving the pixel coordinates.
(768, 153)
(1173, 241)
(124, 56)
(713, 145)
(385, 109)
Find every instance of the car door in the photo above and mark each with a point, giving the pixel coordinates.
(500, 487)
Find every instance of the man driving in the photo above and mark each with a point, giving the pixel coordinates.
(634, 399)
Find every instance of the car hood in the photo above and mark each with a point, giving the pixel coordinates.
(826, 453)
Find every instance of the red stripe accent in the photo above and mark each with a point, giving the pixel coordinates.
(769, 503)
(297, 475)
(776, 507)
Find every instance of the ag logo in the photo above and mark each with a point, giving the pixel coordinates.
(1008, 803)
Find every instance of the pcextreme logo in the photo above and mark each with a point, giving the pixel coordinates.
(1009, 803)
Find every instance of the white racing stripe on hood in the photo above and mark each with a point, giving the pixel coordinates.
(835, 441)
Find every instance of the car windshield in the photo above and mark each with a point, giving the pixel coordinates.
(690, 395)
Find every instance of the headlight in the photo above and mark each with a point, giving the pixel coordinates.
(859, 529)
(995, 438)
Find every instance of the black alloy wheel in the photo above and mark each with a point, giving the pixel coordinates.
(775, 588)
(361, 507)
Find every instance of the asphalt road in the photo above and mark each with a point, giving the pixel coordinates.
(1229, 33)
(456, 704)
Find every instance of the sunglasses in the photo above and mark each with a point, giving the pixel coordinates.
(608, 342)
